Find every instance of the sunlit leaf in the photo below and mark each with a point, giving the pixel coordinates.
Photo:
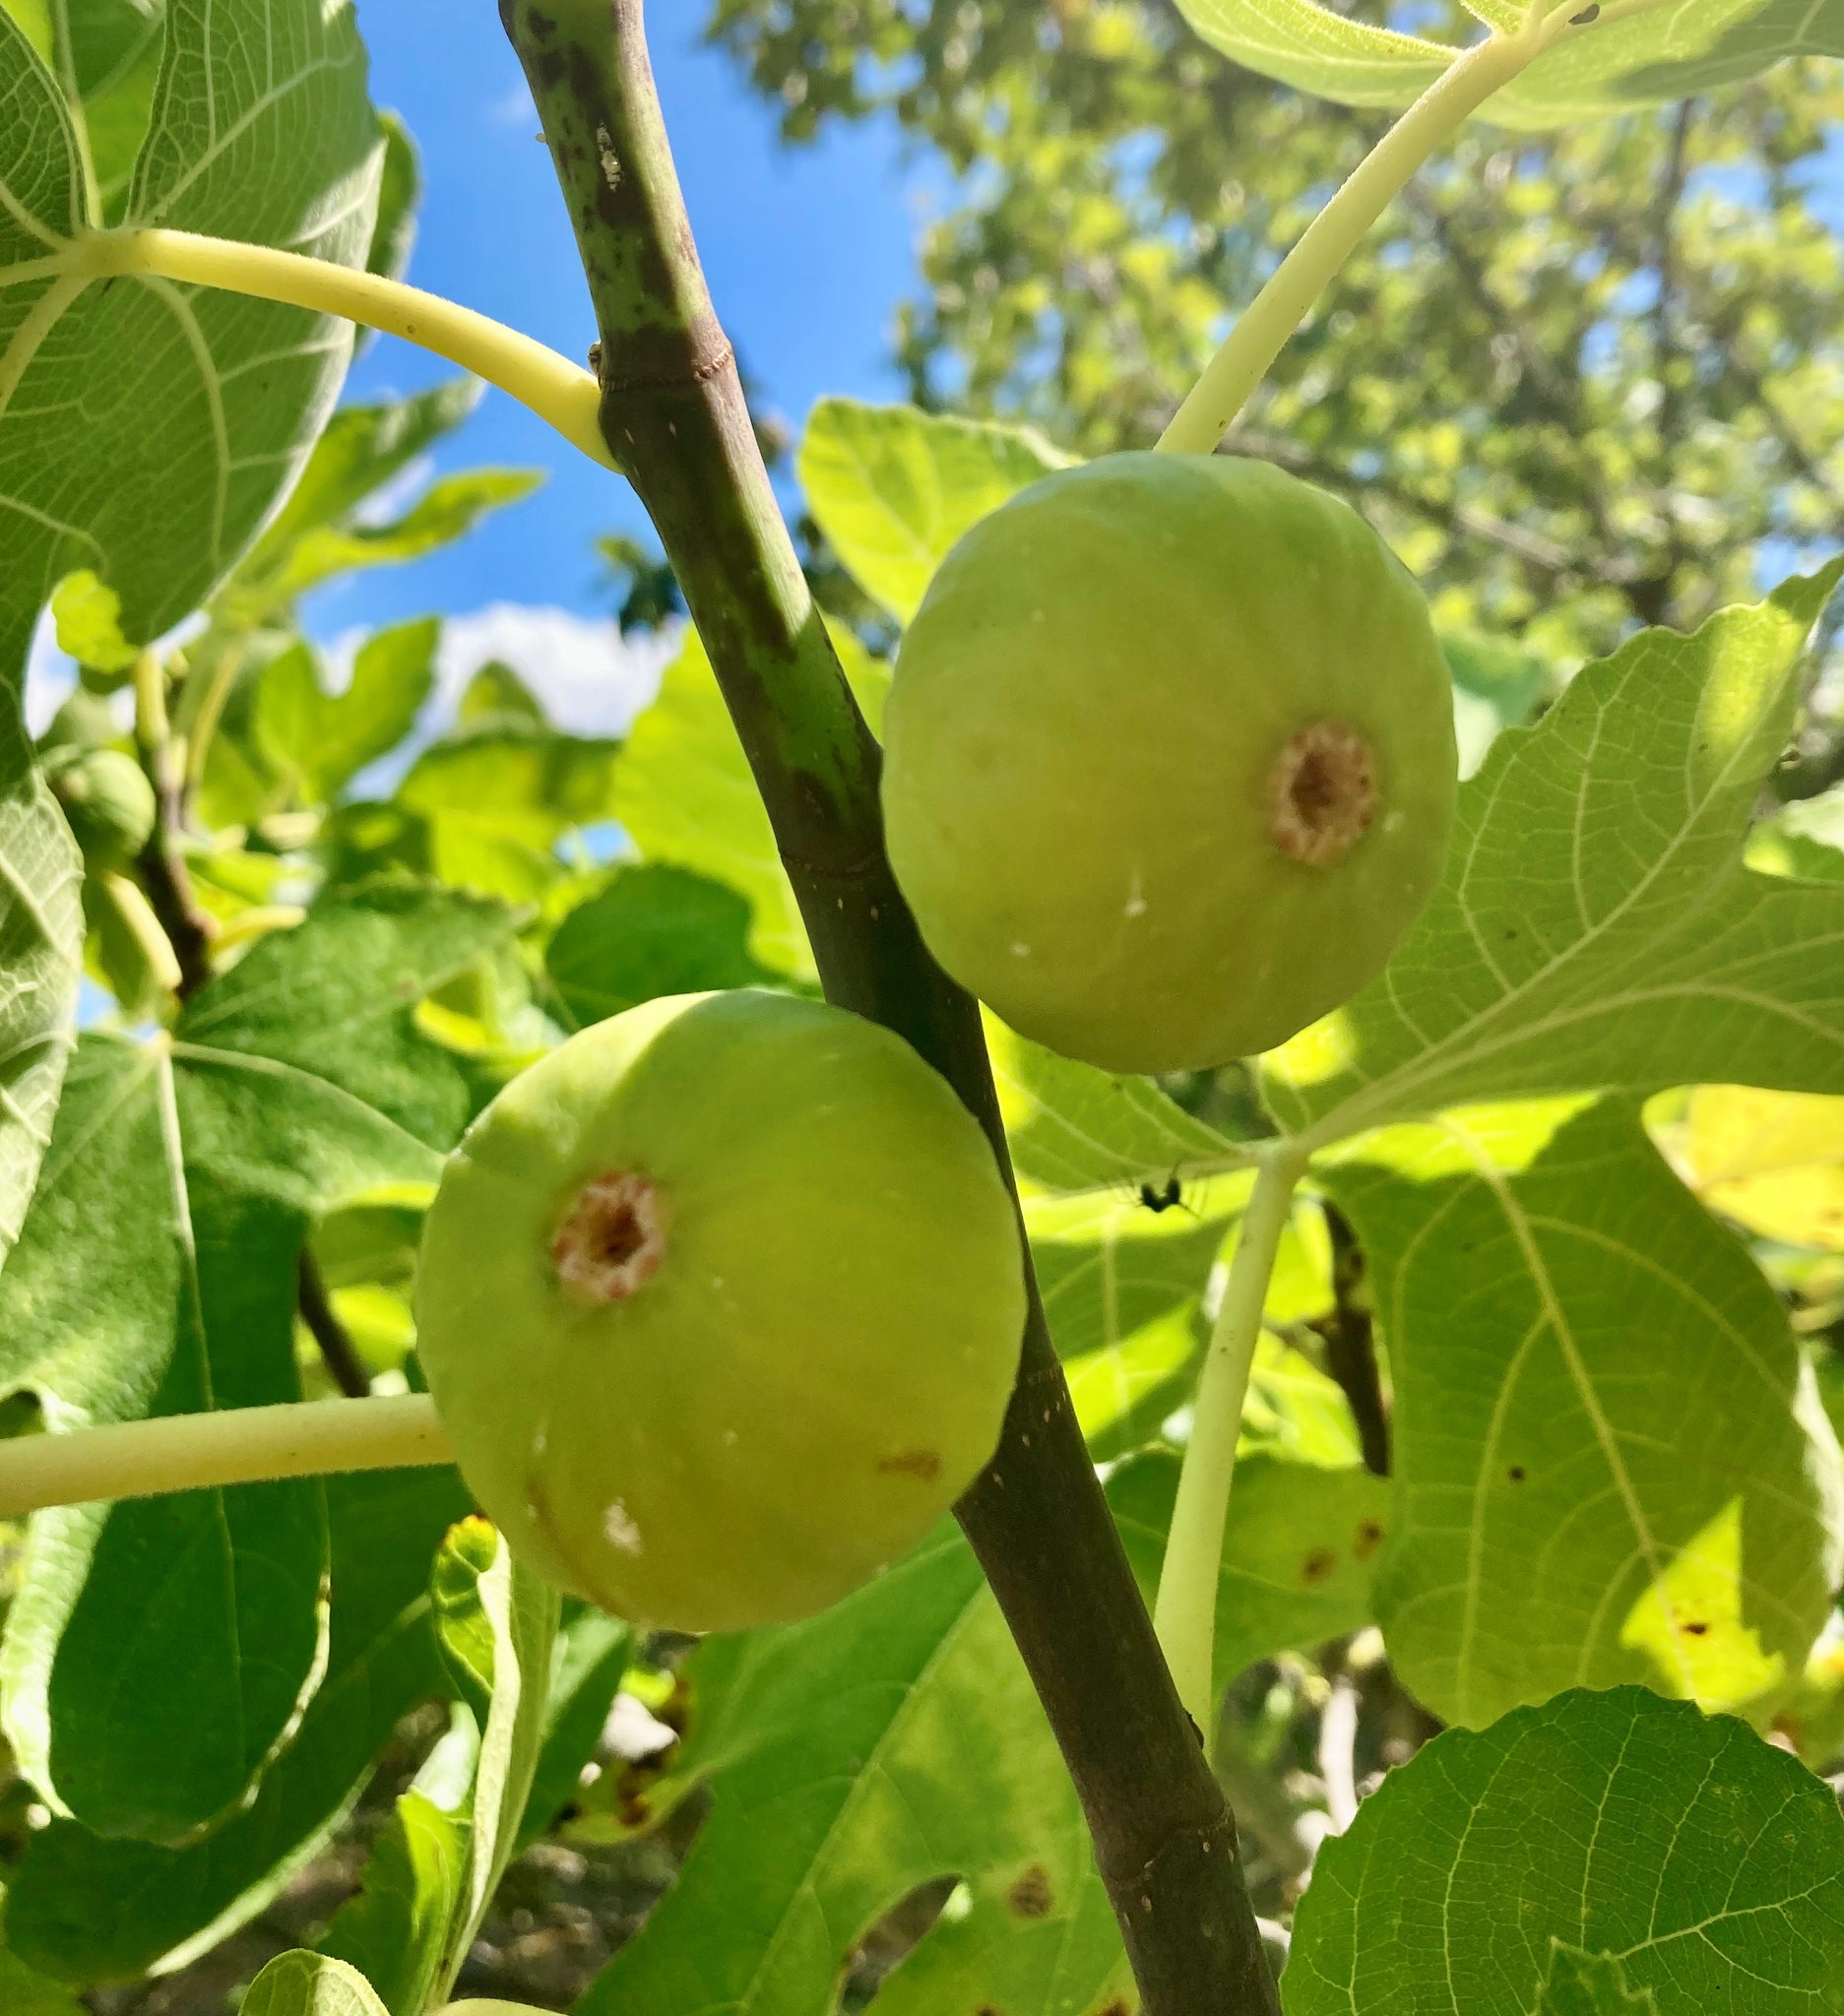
(1772, 1161)
(893, 487)
(1637, 56)
(434, 1870)
(684, 794)
(1609, 1465)
(364, 449)
(1123, 1288)
(1317, 50)
(400, 190)
(1075, 1128)
(321, 741)
(146, 428)
(498, 800)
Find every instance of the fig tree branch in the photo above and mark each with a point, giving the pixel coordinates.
(237, 1445)
(1668, 363)
(1557, 385)
(1338, 1743)
(188, 932)
(337, 1351)
(161, 864)
(1350, 1334)
(673, 415)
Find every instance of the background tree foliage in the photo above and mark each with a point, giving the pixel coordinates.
(1579, 380)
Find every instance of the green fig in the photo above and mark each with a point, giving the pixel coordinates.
(721, 1306)
(1170, 765)
(126, 946)
(85, 721)
(108, 800)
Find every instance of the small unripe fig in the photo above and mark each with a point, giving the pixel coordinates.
(85, 721)
(1170, 764)
(721, 1306)
(107, 800)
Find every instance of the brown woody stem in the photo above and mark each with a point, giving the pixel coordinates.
(338, 1353)
(673, 417)
(1351, 1343)
(162, 862)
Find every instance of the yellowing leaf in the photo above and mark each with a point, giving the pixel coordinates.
(88, 613)
(1690, 1622)
(1771, 1161)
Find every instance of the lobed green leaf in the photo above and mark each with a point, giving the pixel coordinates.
(893, 488)
(840, 1755)
(1608, 1463)
(85, 1908)
(319, 741)
(653, 931)
(146, 428)
(685, 794)
(1596, 928)
(436, 1867)
(301, 1983)
(1706, 1864)
(1636, 56)
(156, 1275)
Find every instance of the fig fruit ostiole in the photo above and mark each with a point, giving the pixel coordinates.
(1170, 765)
(721, 1306)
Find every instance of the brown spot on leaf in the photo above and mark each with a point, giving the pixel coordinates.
(1115, 2008)
(1369, 1539)
(1030, 1896)
(1516, 1473)
(923, 1463)
(1695, 1630)
(1318, 1565)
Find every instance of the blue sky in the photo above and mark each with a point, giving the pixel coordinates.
(807, 252)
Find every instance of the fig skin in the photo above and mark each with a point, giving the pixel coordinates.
(791, 1356)
(107, 800)
(1170, 762)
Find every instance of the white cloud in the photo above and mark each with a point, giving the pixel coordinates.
(49, 677)
(590, 679)
(514, 106)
